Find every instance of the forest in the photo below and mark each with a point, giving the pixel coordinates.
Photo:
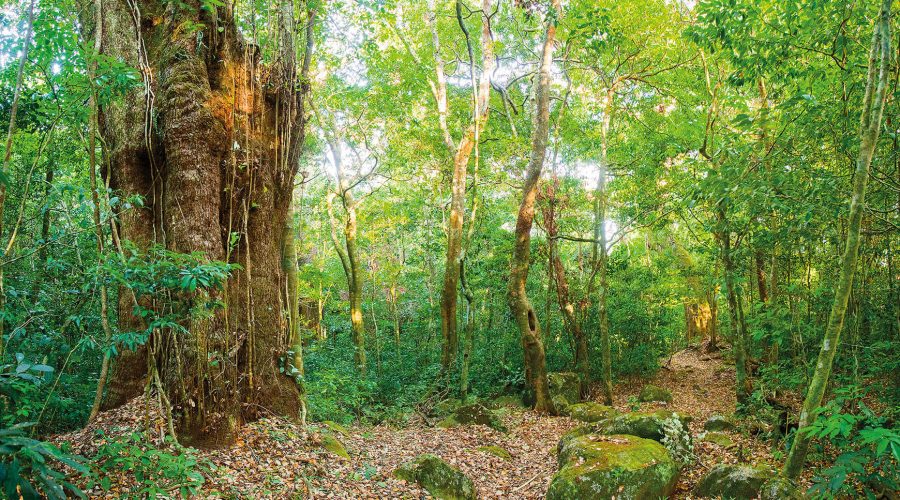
(452, 249)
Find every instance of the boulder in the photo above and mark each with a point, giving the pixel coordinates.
(620, 466)
(445, 407)
(474, 414)
(590, 412)
(780, 488)
(652, 393)
(736, 482)
(565, 384)
(437, 477)
(645, 424)
(561, 404)
(719, 438)
(718, 423)
(496, 451)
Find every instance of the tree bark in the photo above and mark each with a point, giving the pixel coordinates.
(461, 154)
(522, 310)
(870, 127)
(212, 143)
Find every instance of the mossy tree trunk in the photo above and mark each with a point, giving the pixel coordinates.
(870, 126)
(211, 141)
(522, 310)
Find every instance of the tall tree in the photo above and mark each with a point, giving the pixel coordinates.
(869, 130)
(523, 312)
(211, 141)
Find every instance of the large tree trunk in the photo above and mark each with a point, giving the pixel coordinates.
(212, 143)
(870, 126)
(523, 312)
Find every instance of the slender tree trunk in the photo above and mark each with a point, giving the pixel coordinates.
(523, 312)
(207, 106)
(461, 154)
(601, 255)
(738, 328)
(469, 339)
(870, 127)
(20, 75)
(566, 307)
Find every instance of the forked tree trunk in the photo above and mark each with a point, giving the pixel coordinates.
(870, 126)
(461, 154)
(211, 142)
(735, 309)
(523, 312)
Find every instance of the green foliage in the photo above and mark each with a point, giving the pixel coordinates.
(867, 446)
(27, 468)
(156, 472)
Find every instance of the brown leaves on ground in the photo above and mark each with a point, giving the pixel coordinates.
(274, 458)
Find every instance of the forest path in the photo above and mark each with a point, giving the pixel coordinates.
(277, 459)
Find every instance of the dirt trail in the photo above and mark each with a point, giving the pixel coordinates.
(277, 459)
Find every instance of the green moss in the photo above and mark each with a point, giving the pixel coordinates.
(595, 466)
(591, 412)
(653, 393)
(737, 482)
(334, 445)
(718, 423)
(437, 477)
(336, 427)
(647, 425)
(719, 438)
(779, 488)
(566, 384)
(496, 451)
(477, 414)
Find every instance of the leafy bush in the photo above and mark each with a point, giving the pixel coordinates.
(677, 439)
(25, 466)
(869, 449)
(156, 472)
(17, 380)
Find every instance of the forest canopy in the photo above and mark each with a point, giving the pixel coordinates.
(512, 243)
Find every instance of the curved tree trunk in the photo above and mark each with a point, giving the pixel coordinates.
(523, 312)
(212, 143)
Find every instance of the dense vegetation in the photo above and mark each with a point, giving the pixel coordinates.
(349, 210)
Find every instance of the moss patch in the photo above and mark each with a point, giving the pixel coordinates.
(336, 427)
(620, 466)
(738, 482)
(565, 384)
(718, 423)
(437, 477)
(474, 414)
(653, 393)
(719, 438)
(590, 412)
(335, 446)
(643, 424)
(496, 451)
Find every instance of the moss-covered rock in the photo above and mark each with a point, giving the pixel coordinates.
(496, 451)
(473, 414)
(620, 466)
(719, 438)
(718, 423)
(565, 384)
(590, 412)
(645, 424)
(437, 477)
(780, 488)
(446, 407)
(653, 393)
(335, 446)
(737, 482)
(561, 404)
